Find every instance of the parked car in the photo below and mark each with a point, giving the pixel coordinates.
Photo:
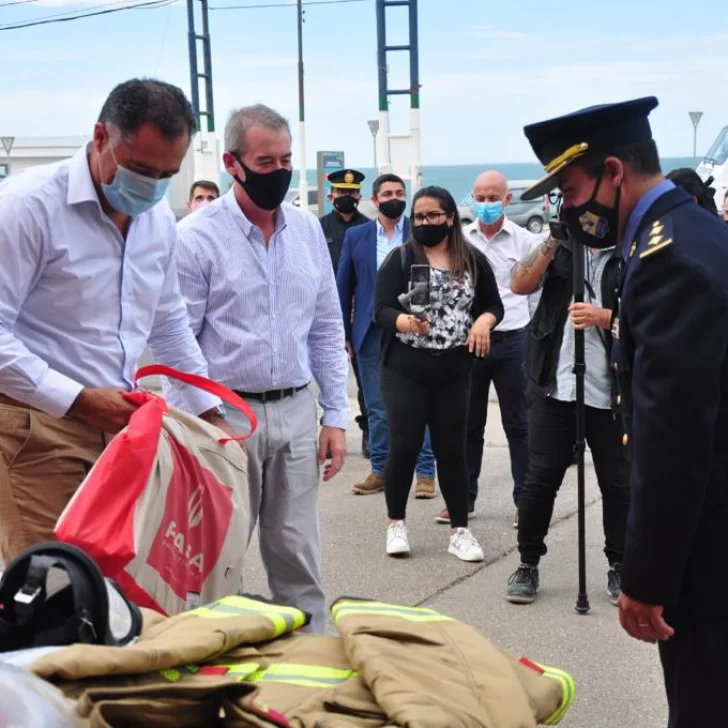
(533, 215)
(294, 198)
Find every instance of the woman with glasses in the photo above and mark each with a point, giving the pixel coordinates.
(437, 302)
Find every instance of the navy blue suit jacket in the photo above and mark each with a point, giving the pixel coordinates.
(356, 279)
(673, 365)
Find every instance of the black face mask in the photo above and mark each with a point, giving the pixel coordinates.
(346, 204)
(392, 209)
(267, 191)
(593, 224)
(429, 235)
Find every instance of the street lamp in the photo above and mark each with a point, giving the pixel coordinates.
(374, 129)
(7, 144)
(695, 117)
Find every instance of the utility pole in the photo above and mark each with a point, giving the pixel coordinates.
(695, 117)
(302, 181)
(202, 160)
(193, 37)
(374, 129)
(412, 48)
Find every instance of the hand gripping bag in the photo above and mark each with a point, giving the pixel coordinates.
(164, 511)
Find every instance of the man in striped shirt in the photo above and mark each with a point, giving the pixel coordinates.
(262, 302)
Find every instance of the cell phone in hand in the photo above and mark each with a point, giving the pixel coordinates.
(418, 297)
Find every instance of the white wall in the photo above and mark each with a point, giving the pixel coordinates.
(33, 151)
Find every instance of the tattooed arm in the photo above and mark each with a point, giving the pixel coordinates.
(527, 275)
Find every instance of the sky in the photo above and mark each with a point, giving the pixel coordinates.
(486, 69)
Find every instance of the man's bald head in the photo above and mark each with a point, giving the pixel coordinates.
(490, 198)
(490, 182)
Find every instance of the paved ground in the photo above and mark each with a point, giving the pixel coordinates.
(619, 680)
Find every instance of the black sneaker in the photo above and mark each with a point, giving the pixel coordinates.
(614, 582)
(523, 585)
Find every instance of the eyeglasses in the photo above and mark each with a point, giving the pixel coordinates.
(430, 218)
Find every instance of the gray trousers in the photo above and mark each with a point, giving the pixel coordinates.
(283, 478)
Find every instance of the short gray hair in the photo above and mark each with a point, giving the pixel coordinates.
(249, 116)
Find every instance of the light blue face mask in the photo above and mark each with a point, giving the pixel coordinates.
(488, 212)
(132, 193)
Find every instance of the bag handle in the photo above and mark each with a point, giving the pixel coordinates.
(208, 385)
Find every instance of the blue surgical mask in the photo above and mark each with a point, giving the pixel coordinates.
(488, 212)
(132, 193)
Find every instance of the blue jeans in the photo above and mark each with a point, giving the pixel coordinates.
(368, 359)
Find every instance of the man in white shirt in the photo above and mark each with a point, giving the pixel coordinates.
(261, 296)
(504, 243)
(87, 281)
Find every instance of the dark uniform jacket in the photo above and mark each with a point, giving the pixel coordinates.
(335, 227)
(672, 355)
(545, 331)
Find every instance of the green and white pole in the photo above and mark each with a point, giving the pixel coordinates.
(415, 141)
(303, 183)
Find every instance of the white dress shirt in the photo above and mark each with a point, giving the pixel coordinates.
(597, 381)
(266, 318)
(506, 248)
(384, 245)
(78, 303)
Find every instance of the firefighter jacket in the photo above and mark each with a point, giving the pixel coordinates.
(241, 662)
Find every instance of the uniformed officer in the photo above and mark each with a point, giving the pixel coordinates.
(345, 195)
(672, 330)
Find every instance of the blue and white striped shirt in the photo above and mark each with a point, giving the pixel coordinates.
(265, 318)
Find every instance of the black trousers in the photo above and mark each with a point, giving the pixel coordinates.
(503, 366)
(696, 672)
(552, 435)
(361, 419)
(421, 387)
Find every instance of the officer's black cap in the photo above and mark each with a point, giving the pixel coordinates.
(346, 179)
(594, 130)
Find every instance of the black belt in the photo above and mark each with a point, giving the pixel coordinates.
(502, 335)
(273, 395)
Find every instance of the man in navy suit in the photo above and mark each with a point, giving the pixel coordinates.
(671, 345)
(365, 248)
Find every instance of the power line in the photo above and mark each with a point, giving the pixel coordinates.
(282, 5)
(164, 40)
(67, 16)
(17, 2)
(73, 12)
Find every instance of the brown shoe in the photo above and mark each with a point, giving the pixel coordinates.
(443, 516)
(425, 488)
(373, 484)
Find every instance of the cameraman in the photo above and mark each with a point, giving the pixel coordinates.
(551, 390)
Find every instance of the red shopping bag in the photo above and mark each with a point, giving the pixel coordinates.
(164, 510)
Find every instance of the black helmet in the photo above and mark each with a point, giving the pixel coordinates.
(54, 594)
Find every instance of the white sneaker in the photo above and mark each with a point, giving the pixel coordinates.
(465, 546)
(397, 541)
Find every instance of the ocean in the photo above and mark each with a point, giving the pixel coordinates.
(458, 179)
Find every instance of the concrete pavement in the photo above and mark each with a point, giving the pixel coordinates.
(618, 679)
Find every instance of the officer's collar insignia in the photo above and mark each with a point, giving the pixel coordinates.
(656, 237)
